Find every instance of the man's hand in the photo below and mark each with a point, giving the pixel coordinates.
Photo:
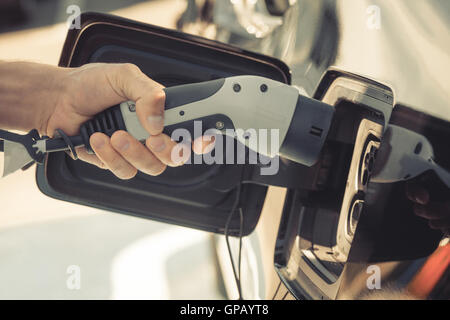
(437, 213)
(87, 90)
(48, 98)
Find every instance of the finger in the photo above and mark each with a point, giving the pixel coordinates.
(167, 150)
(417, 194)
(203, 144)
(89, 158)
(150, 111)
(146, 93)
(136, 153)
(433, 210)
(443, 224)
(102, 147)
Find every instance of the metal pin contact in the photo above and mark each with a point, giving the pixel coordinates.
(220, 125)
(131, 106)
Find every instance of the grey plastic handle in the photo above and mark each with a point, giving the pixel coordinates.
(256, 107)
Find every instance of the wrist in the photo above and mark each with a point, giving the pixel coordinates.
(54, 90)
(29, 93)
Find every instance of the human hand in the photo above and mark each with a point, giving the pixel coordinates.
(437, 213)
(85, 91)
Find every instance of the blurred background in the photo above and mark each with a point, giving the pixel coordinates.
(45, 243)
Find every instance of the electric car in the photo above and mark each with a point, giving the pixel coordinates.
(321, 232)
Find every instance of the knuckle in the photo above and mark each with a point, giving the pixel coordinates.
(130, 68)
(158, 97)
(102, 165)
(153, 102)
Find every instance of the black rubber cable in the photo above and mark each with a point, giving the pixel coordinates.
(69, 143)
(59, 144)
(241, 227)
(226, 231)
(276, 291)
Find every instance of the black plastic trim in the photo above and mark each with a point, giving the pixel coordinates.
(180, 95)
(308, 131)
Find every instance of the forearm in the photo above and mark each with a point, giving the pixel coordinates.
(28, 94)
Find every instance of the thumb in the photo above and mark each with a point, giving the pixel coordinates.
(132, 84)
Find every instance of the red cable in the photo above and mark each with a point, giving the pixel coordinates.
(430, 273)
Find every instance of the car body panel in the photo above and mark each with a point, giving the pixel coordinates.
(402, 44)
